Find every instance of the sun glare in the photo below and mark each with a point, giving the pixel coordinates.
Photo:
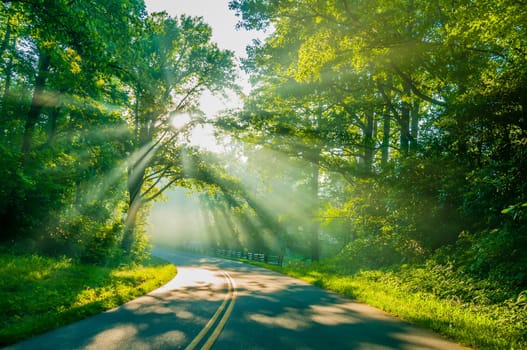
(203, 137)
(180, 120)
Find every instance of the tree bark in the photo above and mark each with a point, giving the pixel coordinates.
(405, 135)
(385, 139)
(414, 127)
(405, 130)
(315, 224)
(130, 224)
(136, 177)
(368, 142)
(8, 69)
(37, 103)
(135, 202)
(7, 88)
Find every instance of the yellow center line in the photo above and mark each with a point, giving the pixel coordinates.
(229, 296)
(225, 317)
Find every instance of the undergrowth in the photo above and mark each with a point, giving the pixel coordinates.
(39, 293)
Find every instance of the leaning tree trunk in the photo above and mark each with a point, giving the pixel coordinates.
(136, 177)
(130, 224)
(135, 203)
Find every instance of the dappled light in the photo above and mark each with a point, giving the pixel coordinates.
(281, 310)
(332, 315)
(289, 311)
(375, 148)
(291, 319)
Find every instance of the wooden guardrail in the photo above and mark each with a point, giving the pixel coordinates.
(265, 258)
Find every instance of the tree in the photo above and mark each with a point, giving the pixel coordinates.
(59, 84)
(427, 74)
(102, 86)
(173, 63)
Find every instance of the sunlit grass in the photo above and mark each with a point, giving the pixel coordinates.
(482, 327)
(38, 293)
(405, 293)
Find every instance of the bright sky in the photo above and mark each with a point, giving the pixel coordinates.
(223, 23)
(216, 13)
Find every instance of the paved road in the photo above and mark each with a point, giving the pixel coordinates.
(220, 304)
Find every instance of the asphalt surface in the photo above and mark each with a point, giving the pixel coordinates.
(219, 304)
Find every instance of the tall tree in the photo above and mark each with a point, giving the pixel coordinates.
(59, 86)
(174, 63)
(387, 70)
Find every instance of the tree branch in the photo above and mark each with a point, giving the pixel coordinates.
(407, 79)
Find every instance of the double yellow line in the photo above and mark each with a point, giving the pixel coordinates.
(214, 327)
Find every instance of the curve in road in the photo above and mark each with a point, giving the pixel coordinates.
(219, 304)
(214, 327)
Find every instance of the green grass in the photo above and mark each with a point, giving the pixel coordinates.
(38, 293)
(477, 314)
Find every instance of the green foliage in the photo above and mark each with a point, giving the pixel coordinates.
(39, 293)
(418, 110)
(88, 94)
(173, 61)
(61, 122)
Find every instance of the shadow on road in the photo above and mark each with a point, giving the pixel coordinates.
(271, 311)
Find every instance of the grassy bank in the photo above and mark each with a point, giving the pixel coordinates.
(477, 313)
(38, 293)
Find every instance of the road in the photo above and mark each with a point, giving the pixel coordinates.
(221, 304)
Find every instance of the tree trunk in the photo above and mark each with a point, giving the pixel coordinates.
(130, 224)
(315, 224)
(135, 202)
(405, 123)
(8, 69)
(385, 139)
(368, 142)
(405, 130)
(37, 103)
(136, 175)
(7, 90)
(55, 114)
(414, 128)
(209, 227)
(52, 124)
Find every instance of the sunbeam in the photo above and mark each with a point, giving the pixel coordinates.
(269, 204)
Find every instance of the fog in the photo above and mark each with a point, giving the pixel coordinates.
(177, 220)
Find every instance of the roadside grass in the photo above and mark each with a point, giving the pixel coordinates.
(478, 314)
(38, 294)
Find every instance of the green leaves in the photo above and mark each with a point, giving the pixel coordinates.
(313, 56)
(423, 101)
(517, 211)
(84, 85)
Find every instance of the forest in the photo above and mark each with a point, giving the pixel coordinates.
(407, 120)
(90, 93)
(376, 134)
